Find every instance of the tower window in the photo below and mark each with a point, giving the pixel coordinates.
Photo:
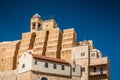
(33, 25)
(46, 65)
(39, 26)
(54, 66)
(23, 66)
(62, 67)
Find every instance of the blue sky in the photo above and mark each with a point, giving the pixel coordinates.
(97, 20)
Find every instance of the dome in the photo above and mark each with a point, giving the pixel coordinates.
(36, 16)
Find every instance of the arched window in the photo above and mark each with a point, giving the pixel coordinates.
(46, 65)
(44, 78)
(23, 66)
(54, 66)
(36, 62)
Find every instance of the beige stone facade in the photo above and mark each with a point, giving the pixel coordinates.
(46, 39)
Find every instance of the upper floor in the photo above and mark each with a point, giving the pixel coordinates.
(33, 62)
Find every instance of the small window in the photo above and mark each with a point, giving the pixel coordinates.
(33, 25)
(36, 62)
(97, 55)
(93, 54)
(73, 69)
(23, 66)
(39, 26)
(82, 54)
(83, 69)
(54, 66)
(94, 69)
(46, 65)
(62, 67)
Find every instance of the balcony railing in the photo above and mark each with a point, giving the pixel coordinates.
(98, 73)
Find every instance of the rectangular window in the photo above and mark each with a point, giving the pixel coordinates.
(82, 54)
(23, 66)
(36, 62)
(93, 54)
(54, 66)
(73, 69)
(83, 69)
(62, 67)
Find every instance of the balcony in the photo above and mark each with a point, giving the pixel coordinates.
(98, 73)
(99, 61)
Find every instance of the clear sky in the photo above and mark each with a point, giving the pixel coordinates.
(97, 20)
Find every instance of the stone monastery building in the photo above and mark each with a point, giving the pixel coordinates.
(47, 53)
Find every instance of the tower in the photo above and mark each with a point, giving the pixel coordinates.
(36, 22)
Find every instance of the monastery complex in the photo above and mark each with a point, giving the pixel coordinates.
(47, 53)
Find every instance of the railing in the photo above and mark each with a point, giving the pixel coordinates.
(98, 73)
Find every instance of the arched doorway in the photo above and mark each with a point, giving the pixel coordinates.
(44, 78)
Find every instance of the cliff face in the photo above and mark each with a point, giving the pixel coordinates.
(8, 75)
(8, 55)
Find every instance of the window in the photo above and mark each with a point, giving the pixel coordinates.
(43, 78)
(54, 66)
(62, 67)
(97, 55)
(94, 69)
(39, 26)
(36, 62)
(33, 25)
(83, 69)
(82, 54)
(101, 70)
(93, 54)
(23, 66)
(73, 69)
(46, 65)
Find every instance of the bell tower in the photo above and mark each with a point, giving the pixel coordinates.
(36, 22)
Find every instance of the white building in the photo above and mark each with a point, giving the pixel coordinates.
(32, 65)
